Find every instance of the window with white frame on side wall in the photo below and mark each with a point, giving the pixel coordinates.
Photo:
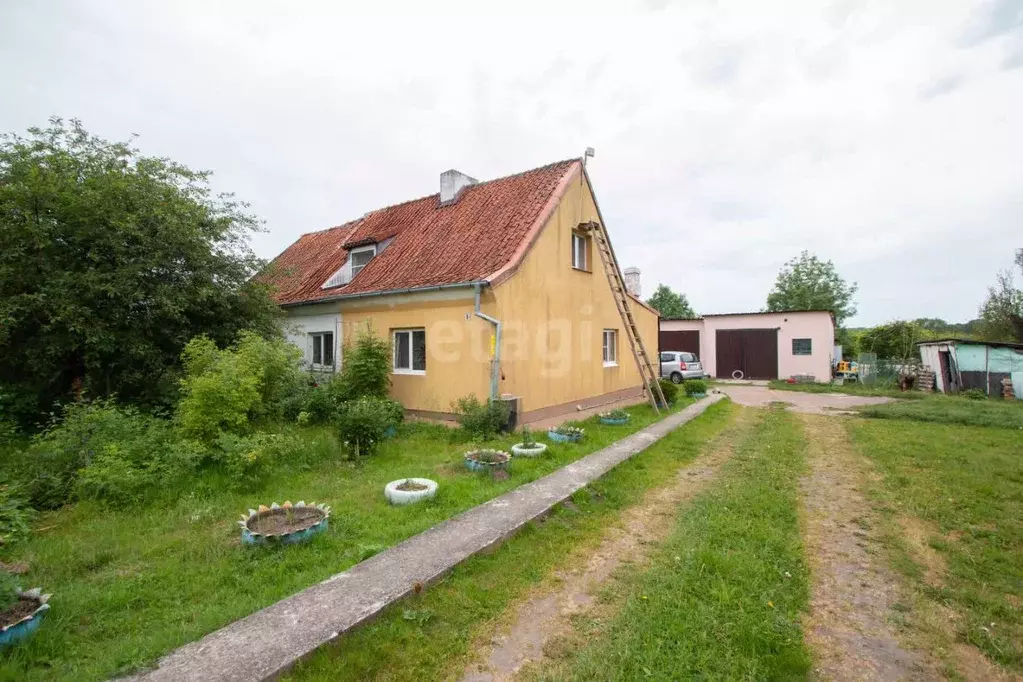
(802, 346)
(610, 348)
(409, 351)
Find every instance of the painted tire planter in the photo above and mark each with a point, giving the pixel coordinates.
(396, 496)
(697, 395)
(564, 438)
(614, 421)
(520, 450)
(284, 524)
(23, 628)
(500, 463)
(391, 431)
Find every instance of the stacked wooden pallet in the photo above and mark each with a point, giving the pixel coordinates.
(925, 379)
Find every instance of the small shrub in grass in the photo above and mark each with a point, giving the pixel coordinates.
(14, 517)
(694, 387)
(974, 394)
(120, 477)
(528, 439)
(362, 423)
(481, 420)
(615, 414)
(669, 390)
(248, 459)
(319, 403)
(366, 372)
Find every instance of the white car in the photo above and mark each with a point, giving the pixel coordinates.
(680, 365)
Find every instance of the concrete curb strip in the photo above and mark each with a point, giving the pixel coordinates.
(266, 643)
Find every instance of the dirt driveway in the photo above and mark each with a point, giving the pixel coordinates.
(810, 403)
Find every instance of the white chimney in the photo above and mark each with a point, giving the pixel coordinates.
(452, 183)
(632, 281)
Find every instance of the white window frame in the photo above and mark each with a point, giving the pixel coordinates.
(316, 340)
(372, 248)
(579, 249)
(609, 347)
(395, 369)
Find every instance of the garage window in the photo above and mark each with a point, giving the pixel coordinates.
(410, 351)
(802, 347)
(610, 348)
(323, 350)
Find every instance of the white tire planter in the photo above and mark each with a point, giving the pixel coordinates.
(402, 497)
(520, 450)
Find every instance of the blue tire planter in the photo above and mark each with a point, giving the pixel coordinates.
(613, 421)
(311, 519)
(391, 431)
(473, 465)
(697, 395)
(562, 438)
(16, 632)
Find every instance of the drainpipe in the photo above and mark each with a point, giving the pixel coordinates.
(495, 357)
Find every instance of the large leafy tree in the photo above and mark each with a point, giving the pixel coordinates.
(670, 304)
(110, 261)
(808, 283)
(1001, 314)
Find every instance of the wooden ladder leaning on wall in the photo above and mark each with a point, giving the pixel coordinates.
(651, 379)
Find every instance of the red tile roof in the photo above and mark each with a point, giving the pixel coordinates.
(478, 237)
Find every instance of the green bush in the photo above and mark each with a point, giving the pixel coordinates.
(248, 459)
(319, 401)
(122, 475)
(14, 517)
(694, 386)
(362, 423)
(8, 590)
(395, 411)
(669, 390)
(87, 431)
(230, 389)
(366, 370)
(481, 420)
(974, 394)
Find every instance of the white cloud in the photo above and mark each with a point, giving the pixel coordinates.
(729, 136)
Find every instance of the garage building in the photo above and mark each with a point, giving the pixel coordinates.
(757, 345)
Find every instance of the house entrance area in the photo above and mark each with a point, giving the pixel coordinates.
(754, 352)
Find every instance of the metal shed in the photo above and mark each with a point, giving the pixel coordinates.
(962, 364)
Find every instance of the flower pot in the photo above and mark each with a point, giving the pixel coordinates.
(391, 431)
(536, 449)
(283, 524)
(614, 421)
(33, 607)
(394, 494)
(475, 465)
(564, 438)
(697, 395)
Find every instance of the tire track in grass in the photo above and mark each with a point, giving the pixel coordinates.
(724, 595)
(849, 625)
(548, 612)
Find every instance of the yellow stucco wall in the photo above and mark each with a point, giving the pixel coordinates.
(553, 318)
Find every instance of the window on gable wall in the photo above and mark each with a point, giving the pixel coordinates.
(410, 351)
(323, 349)
(580, 251)
(610, 347)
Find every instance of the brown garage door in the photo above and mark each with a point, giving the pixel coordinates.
(752, 351)
(688, 341)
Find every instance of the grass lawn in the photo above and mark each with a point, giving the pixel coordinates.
(131, 585)
(954, 410)
(849, 388)
(963, 486)
(431, 636)
(725, 595)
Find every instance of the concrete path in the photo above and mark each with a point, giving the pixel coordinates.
(268, 642)
(810, 403)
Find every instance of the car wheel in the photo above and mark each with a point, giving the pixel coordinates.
(676, 378)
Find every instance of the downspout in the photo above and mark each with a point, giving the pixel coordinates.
(495, 354)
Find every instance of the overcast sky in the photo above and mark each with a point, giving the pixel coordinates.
(886, 136)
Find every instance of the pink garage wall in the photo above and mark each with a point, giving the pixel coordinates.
(813, 325)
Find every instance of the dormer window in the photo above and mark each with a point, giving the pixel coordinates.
(361, 257)
(358, 258)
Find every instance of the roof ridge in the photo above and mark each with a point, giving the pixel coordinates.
(427, 196)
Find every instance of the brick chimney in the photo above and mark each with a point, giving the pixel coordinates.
(632, 281)
(452, 183)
